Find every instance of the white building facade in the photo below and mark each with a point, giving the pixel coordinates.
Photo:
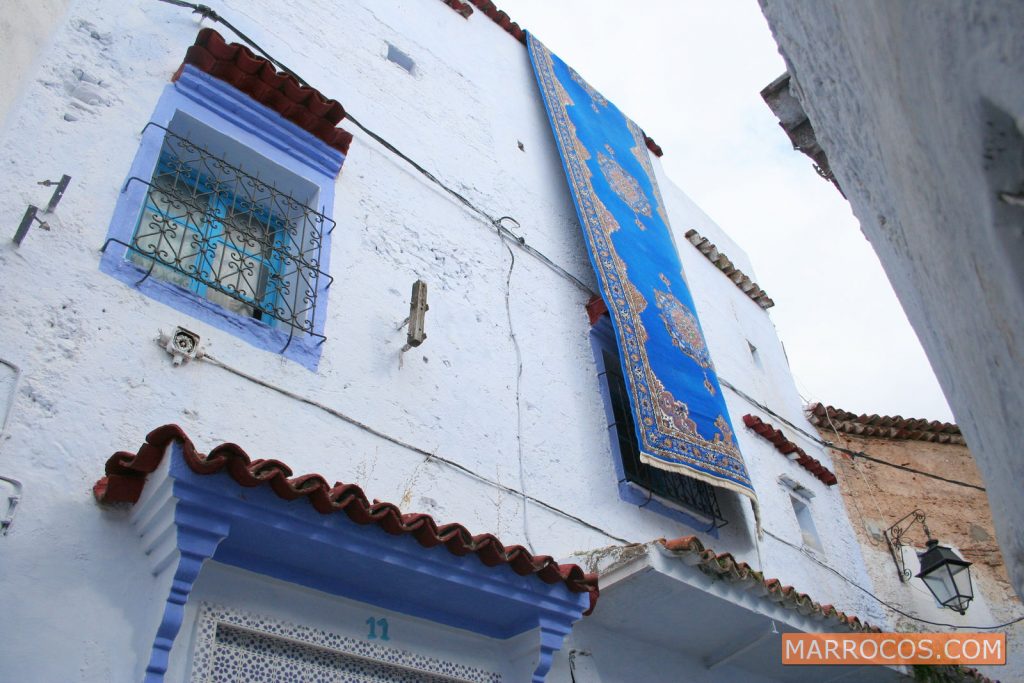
(165, 564)
(919, 108)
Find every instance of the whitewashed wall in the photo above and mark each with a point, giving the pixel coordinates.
(94, 381)
(920, 109)
(25, 32)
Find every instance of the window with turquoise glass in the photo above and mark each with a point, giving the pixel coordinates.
(196, 232)
(228, 236)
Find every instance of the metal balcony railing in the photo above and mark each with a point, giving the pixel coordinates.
(230, 237)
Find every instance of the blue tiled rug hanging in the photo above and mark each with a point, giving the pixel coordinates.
(682, 422)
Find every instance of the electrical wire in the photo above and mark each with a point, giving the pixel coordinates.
(465, 470)
(868, 488)
(494, 222)
(572, 666)
(841, 449)
(507, 235)
(406, 445)
(519, 383)
(883, 602)
(208, 13)
(856, 503)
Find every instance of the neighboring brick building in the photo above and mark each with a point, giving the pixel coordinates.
(877, 496)
(918, 106)
(213, 276)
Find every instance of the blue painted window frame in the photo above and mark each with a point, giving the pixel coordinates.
(251, 126)
(602, 340)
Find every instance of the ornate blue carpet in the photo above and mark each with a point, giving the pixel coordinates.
(682, 422)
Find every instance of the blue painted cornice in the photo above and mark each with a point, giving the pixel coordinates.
(213, 516)
(259, 120)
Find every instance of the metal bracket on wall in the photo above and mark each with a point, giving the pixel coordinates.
(62, 185)
(13, 499)
(417, 315)
(8, 388)
(30, 213)
(894, 539)
(416, 320)
(26, 223)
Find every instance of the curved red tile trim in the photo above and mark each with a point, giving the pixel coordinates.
(786, 447)
(462, 8)
(259, 79)
(501, 19)
(653, 146)
(883, 426)
(724, 565)
(126, 475)
(596, 307)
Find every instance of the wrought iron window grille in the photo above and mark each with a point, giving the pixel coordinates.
(676, 488)
(228, 236)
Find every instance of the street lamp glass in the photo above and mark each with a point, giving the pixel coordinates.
(947, 576)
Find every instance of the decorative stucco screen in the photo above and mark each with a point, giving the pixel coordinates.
(234, 646)
(682, 422)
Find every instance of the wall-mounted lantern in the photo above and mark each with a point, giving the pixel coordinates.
(946, 574)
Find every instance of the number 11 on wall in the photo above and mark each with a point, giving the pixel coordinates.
(374, 624)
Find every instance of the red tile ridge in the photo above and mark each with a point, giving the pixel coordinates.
(883, 426)
(501, 19)
(259, 79)
(653, 146)
(126, 475)
(512, 28)
(725, 565)
(596, 307)
(729, 269)
(462, 8)
(787, 447)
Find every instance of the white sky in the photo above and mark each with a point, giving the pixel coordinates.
(690, 73)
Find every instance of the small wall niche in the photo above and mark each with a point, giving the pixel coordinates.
(403, 60)
(808, 531)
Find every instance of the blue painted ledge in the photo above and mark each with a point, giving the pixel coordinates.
(254, 529)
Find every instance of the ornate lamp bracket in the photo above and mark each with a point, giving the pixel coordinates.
(894, 539)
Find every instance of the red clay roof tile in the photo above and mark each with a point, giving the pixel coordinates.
(259, 79)
(596, 307)
(726, 566)
(462, 8)
(502, 19)
(786, 447)
(126, 475)
(883, 426)
(722, 262)
(653, 146)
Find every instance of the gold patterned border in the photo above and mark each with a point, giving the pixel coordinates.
(667, 441)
